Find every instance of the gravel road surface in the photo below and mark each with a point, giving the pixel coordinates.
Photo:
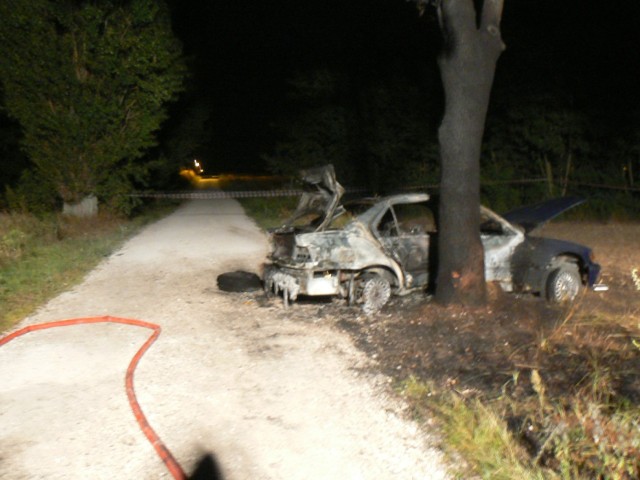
(269, 397)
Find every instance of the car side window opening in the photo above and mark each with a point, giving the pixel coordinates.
(490, 226)
(387, 227)
(415, 219)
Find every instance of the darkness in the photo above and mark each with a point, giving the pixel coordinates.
(243, 52)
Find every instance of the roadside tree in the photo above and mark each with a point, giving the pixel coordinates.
(472, 44)
(89, 83)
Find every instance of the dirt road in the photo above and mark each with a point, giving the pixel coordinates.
(270, 397)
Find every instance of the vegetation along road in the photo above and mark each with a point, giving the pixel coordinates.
(268, 395)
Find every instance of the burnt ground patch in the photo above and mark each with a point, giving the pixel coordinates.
(481, 350)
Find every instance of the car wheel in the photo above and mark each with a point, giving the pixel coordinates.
(375, 294)
(564, 283)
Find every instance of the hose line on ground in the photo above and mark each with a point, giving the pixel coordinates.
(171, 463)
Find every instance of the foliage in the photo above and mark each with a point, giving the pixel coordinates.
(13, 161)
(596, 434)
(591, 440)
(535, 147)
(12, 245)
(31, 194)
(545, 145)
(88, 82)
(382, 135)
(318, 132)
(398, 148)
(546, 140)
(186, 135)
(381, 140)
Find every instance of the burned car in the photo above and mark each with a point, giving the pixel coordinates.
(367, 250)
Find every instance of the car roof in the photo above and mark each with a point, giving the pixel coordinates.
(382, 203)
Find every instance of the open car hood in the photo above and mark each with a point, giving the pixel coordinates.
(534, 216)
(321, 197)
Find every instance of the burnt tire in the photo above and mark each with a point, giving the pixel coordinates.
(376, 292)
(239, 281)
(564, 283)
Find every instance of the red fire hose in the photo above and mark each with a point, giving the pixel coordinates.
(172, 465)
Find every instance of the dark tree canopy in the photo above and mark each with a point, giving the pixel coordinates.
(89, 83)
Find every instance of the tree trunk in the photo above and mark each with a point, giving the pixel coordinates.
(87, 207)
(467, 66)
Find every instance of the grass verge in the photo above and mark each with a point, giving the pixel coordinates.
(570, 412)
(574, 437)
(42, 257)
(269, 212)
(472, 429)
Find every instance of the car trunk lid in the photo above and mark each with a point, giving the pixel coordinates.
(321, 197)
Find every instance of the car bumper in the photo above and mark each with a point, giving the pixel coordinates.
(593, 274)
(294, 282)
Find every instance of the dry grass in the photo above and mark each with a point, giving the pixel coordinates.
(41, 257)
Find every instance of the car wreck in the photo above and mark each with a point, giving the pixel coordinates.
(367, 250)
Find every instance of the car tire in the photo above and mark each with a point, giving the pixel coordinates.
(376, 292)
(239, 281)
(564, 283)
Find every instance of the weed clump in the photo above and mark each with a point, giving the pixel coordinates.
(17, 233)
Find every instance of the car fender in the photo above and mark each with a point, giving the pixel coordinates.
(351, 249)
(536, 257)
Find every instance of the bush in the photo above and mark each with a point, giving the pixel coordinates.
(32, 194)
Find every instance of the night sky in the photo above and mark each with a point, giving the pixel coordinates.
(244, 51)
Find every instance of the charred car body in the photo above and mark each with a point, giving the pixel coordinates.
(367, 250)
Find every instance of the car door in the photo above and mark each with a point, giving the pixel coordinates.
(499, 240)
(404, 231)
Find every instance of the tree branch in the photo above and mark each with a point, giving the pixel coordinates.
(491, 16)
(457, 20)
(459, 14)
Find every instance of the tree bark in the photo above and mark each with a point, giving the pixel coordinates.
(472, 45)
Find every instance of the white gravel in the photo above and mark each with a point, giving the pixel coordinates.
(270, 397)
